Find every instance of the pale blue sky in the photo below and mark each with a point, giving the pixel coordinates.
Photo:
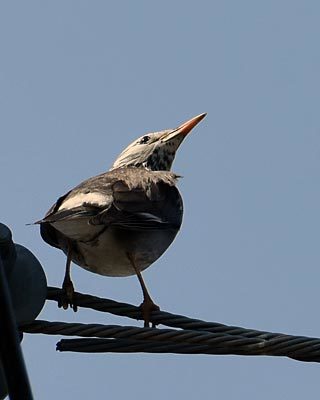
(80, 80)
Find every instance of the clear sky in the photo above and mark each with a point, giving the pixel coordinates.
(79, 81)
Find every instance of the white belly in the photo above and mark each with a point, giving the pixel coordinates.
(108, 254)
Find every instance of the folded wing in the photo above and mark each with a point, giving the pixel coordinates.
(131, 198)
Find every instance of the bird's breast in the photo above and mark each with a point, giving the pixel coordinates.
(108, 253)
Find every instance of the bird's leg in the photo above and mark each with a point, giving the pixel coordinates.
(147, 306)
(67, 297)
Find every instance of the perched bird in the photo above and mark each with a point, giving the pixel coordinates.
(120, 222)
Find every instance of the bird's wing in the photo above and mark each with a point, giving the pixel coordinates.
(69, 216)
(133, 209)
(140, 201)
(129, 198)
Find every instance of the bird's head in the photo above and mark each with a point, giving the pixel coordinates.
(156, 151)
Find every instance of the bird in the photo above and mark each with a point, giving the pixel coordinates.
(120, 222)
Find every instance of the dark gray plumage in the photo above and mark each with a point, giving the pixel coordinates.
(118, 211)
(120, 222)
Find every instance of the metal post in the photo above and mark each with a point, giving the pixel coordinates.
(10, 350)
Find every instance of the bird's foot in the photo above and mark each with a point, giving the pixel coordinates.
(67, 297)
(147, 307)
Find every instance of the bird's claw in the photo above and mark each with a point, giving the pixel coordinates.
(147, 307)
(67, 297)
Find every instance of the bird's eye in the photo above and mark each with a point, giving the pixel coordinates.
(145, 139)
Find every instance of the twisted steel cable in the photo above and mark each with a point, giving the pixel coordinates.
(130, 346)
(157, 317)
(236, 344)
(193, 336)
(151, 340)
(134, 346)
(163, 317)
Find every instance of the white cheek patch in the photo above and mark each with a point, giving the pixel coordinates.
(78, 199)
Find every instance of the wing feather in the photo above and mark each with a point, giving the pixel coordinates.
(129, 198)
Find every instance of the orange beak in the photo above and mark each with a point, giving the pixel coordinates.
(186, 127)
(183, 129)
